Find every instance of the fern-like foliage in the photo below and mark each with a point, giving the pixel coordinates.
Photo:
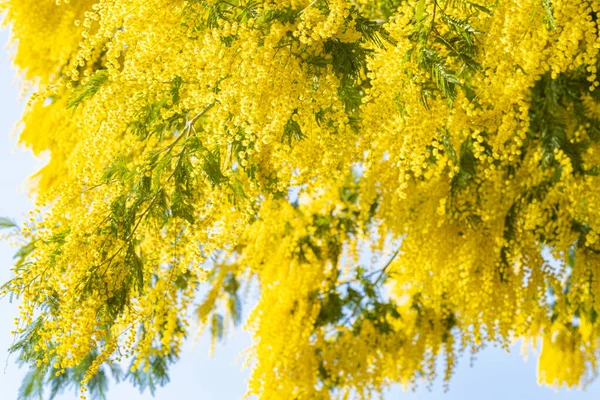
(87, 89)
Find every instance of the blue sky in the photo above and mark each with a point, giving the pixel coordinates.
(495, 374)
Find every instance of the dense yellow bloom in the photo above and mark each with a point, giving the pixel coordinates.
(402, 181)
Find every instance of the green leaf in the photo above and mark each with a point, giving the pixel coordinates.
(350, 94)
(462, 28)
(212, 166)
(444, 78)
(348, 59)
(180, 207)
(88, 89)
(549, 15)
(234, 304)
(137, 267)
(175, 88)
(291, 132)
(32, 386)
(117, 169)
(479, 7)
(373, 32)
(466, 162)
(7, 223)
(331, 310)
(25, 250)
(217, 328)
(448, 147)
(420, 11)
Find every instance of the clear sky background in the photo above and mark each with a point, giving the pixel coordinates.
(495, 374)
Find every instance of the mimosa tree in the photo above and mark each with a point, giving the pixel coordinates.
(402, 181)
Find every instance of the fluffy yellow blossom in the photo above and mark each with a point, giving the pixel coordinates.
(400, 181)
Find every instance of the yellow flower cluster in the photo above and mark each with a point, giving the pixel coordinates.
(403, 181)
